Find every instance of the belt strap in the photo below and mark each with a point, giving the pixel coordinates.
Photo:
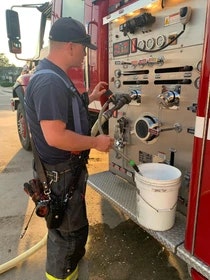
(40, 169)
(55, 175)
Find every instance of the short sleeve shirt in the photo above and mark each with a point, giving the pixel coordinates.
(48, 98)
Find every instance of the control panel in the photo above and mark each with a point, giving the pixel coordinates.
(155, 53)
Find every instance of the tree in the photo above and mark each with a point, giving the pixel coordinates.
(8, 72)
(4, 61)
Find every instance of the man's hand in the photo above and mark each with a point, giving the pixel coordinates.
(104, 143)
(99, 89)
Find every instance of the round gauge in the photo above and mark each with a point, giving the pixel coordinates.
(150, 43)
(117, 73)
(117, 83)
(160, 41)
(197, 82)
(142, 44)
(199, 66)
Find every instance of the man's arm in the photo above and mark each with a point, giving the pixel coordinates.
(56, 135)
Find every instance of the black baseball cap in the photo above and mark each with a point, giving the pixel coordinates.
(67, 29)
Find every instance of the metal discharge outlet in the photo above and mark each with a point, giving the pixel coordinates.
(146, 128)
(169, 98)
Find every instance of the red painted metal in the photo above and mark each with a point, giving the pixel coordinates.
(197, 239)
(118, 3)
(23, 80)
(98, 62)
(197, 276)
(56, 10)
(98, 66)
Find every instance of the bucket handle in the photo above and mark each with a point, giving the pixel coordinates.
(158, 210)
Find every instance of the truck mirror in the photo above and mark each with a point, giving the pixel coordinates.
(13, 31)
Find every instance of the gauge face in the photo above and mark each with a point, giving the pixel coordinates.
(161, 40)
(150, 43)
(142, 44)
(117, 83)
(117, 73)
(199, 66)
(197, 82)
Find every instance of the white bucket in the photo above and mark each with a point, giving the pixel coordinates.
(157, 194)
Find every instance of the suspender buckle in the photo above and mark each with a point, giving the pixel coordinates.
(53, 175)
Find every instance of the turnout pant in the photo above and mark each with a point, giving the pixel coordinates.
(64, 251)
(66, 244)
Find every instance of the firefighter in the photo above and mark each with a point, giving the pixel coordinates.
(60, 129)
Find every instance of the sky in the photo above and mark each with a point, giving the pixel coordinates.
(4, 48)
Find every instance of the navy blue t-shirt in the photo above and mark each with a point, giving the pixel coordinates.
(48, 98)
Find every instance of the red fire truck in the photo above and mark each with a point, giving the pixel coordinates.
(155, 56)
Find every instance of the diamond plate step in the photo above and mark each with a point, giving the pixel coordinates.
(123, 195)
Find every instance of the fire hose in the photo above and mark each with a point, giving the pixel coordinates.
(14, 262)
(119, 101)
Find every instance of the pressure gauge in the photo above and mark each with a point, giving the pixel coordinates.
(117, 83)
(117, 73)
(142, 44)
(160, 41)
(199, 66)
(150, 43)
(197, 83)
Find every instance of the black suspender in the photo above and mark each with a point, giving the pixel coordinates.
(75, 105)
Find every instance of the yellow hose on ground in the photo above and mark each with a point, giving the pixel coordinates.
(14, 262)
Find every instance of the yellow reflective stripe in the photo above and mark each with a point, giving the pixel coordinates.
(73, 276)
(50, 277)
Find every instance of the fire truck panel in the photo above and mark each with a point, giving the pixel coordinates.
(155, 55)
(166, 82)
